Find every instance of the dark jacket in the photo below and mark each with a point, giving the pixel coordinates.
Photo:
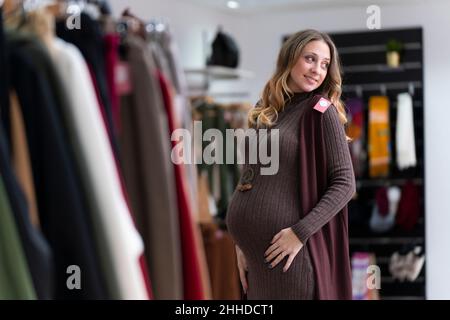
(64, 213)
(89, 40)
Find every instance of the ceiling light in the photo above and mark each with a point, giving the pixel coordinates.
(233, 4)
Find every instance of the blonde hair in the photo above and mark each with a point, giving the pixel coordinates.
(276, 89)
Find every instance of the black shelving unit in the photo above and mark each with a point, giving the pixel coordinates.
(366, 74)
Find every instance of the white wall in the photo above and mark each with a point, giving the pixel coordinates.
(193, 27)
(259, 37)
(189, 23)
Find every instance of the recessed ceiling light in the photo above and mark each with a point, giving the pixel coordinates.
(233, 4)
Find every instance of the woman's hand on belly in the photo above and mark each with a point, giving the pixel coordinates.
(243, 268)
(284, 243)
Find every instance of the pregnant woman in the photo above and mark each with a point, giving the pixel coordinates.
(290, 228)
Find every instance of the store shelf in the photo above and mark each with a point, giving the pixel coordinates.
(393, 280)
(383, 67)
(386, 182)
(203, 78)
(201, 92)
(361, 49)
(386, 240)
(221, 73)
(402, 298)
(378, 86)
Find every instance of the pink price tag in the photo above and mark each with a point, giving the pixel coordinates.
(322, 105)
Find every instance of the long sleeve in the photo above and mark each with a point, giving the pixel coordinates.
(340, 176)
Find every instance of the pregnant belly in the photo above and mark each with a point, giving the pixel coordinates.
(253, 220)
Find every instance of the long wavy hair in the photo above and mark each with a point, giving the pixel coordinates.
(276, 90)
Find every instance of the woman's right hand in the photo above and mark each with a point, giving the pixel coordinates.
(242, 266)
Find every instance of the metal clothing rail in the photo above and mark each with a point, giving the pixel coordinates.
(386, 240)
(382, 67)
(383, 182)
(376, 48)
(409, 85)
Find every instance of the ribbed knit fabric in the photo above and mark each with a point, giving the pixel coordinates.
(273, 203)
(342, 186)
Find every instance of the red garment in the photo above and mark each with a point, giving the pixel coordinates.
(111, 61)
(382, 201)
(145, 274)
(408, 211)
(328, 247)
(192, 280)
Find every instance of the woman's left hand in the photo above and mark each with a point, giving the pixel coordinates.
(284, 243)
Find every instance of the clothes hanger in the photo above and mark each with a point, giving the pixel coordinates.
(14, 15)
(411, 89)
(92, 8)
(41, 16)
(31, 5)
(57, 8)
(383, 89)
(26, 6)
(135, 24)
(157, 29)
(359, 91)
(102, 5)
(8, 5)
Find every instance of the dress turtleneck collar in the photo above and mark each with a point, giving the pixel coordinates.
(298, 97)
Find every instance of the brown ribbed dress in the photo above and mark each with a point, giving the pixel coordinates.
(273, 203)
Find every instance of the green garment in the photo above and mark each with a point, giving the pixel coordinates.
(213, 117)
(15, 277)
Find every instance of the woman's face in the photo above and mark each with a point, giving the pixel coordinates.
(311, 68)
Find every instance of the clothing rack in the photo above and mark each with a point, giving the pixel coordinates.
(413, 45)
(361, 183)
(157, 25)
(385, 240)
(408, 86)
(383, 67)
(363, 56)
